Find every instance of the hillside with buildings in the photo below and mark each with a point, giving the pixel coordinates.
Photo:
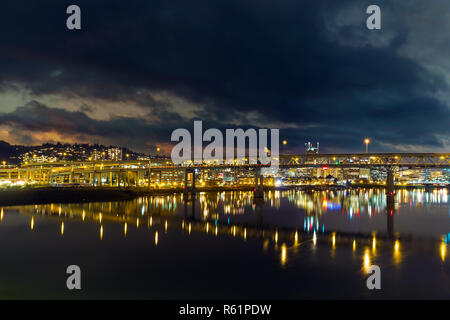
(48, 152)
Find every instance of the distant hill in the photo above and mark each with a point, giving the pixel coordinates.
(11, 153)
(15, 154)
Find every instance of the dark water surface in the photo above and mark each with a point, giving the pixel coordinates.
(294, 244)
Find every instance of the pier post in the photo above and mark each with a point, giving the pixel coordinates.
(258, 192)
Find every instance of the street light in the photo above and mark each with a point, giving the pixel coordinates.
(284, 142)
(367, 141)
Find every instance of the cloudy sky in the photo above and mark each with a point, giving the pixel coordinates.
(139, 69)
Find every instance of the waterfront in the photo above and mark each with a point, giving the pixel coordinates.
(293, 244)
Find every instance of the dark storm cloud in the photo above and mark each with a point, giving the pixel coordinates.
(37, 118)
(124, 131)
(283, 60)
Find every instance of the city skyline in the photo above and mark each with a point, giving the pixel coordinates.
(137, 71)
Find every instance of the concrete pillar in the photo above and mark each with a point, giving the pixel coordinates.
(149, 177)
(189, 183)
(390, 187)
(258, 191)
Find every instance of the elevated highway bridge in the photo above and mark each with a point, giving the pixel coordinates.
(410, 160)
(122, 173)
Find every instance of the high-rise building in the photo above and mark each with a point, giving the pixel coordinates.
(115, 154)
(98, 155)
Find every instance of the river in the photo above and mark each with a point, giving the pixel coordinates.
(293, 244)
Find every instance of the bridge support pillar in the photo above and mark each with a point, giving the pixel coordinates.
(189, 181)
(71, 176)
(390, 187)
(100, 176)
(258, 191)
(149, 177)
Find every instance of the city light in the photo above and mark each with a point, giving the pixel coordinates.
(366, 142)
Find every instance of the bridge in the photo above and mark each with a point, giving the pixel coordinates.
(138, 173)
(371, 160)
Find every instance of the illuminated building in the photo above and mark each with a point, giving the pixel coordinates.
(115, 154)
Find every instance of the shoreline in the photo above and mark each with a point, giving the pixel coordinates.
(44, 195)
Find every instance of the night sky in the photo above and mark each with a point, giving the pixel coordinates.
(137, 70)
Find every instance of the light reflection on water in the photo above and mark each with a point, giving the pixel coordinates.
(322, 211)
(287, 223)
